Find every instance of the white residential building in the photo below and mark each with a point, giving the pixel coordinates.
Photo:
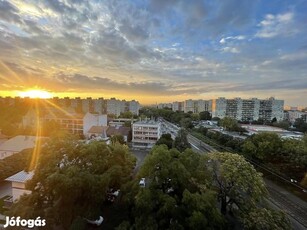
(100, 106)
(134, 107)
(18, 181)
(188, 106)
(90, 120)
(292, 115)
(219, 107)
(177, 106)
(248, 109)
(114, 106)
(145, 133)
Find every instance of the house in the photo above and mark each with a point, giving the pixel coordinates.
(17, 144)
(18, 181)
(98, 132)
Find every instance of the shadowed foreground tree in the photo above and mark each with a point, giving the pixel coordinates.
(71, 181)
(165, 139)
(176, 195)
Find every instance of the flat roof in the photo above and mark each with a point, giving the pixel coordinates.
(263, 128)
(21, 177)
(19, 143)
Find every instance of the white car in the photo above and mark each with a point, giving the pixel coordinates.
(142, 182)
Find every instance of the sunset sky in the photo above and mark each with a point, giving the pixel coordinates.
(155, 50)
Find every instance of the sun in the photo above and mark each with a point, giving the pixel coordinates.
(36, 93)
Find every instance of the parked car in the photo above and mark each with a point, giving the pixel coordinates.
(142, 182)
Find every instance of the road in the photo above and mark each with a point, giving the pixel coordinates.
(199, 146)
(140, 156)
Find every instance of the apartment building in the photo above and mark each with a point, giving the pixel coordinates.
(292, 115)
(248, 109)
(177, 106)
(165, 105)
(196, 106)
(134, 107)
(71, 123)
(219, 107)
(79, 105)
(145, 133)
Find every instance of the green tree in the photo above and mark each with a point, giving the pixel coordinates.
(15, 163)
(266, 219)
(166, 139)
(176, 195)
(181, 141)
(242, 191)
(262, 146)
(228, 123)
(186, 123)
(300, 125)
(205, 115)
(117, 139)
(72, 179)
(126, 114)
(282, 124)
(239, 185)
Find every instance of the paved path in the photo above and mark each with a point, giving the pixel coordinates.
(140, 156)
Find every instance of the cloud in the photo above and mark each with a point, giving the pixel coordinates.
(276, 25)
(152, 47)
(230, 50)
(239, 37)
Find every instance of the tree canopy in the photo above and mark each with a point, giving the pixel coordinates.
(72, 180)
(176, 195)
(262, 146)
(242, 192)
(205, 115)
(166, 139)
(181, 141)
(239, 184)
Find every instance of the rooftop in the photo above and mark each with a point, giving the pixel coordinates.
(148, 122)
(21, 177)
(118, 131)
(98, 129)
(19, 143)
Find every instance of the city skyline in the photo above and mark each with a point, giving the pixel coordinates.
(155, 51)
